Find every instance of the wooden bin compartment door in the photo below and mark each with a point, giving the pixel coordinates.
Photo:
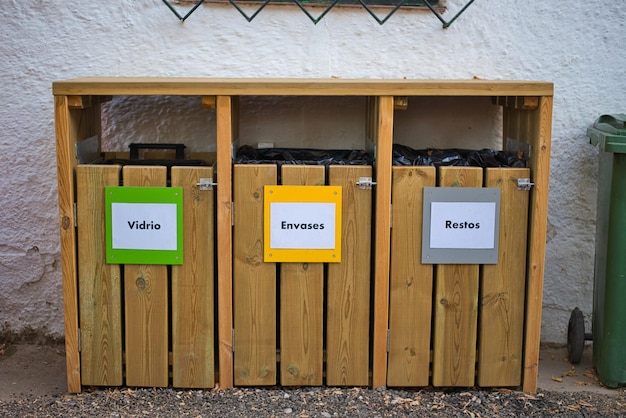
(193, 297)
(99, 284)
(302, 303)
(290, 316)
(349, 283)
(132, 329)
(411, 283)
(503, 286)
(455, 303)
(476, 311)
(254, 281)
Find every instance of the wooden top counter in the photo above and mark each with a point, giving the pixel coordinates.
(112, 86)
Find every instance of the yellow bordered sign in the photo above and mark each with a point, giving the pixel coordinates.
(302, 224)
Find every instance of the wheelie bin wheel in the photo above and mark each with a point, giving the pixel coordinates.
(576, 336)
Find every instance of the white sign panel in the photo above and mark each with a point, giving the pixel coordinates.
(297, 225)
(144, 226)
(462, 225)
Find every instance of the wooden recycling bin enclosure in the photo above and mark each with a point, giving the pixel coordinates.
(378, 318)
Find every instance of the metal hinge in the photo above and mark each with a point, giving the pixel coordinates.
(206, 184)
(232, 213)
(365, 183)
(388, 340)
(524, 184)
(233, 342)
(79, 342)
(75, 215)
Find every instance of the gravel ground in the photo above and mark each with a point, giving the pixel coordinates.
(33, 384)
(316, 402)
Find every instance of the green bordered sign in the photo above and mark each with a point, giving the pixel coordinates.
(144, 225)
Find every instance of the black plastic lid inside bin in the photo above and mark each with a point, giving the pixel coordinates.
(404, 155)
(134, 157)
(301, 156)
(609, 131)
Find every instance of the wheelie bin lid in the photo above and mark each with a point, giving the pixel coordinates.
(609, 131)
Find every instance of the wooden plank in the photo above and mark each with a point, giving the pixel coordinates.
(84, 102)
(254, 281)
(456, 303)
(370, 106)
(302, 304)
(382, 245)
(99, 283)
(503, 286)
(226, 122)
(348, 307)
(539, 137)
(181, 86)
(534, 128)
(411, 283)
(193, 358)
(518, 102)
(66, 161)
(79, 102)
(209, 102)
(72, 125)
(400, 103)
(146, 300)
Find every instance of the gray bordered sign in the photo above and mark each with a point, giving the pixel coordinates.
(460, 225)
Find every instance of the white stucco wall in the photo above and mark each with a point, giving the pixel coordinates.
(577, 45)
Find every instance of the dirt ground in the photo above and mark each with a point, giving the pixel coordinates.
(27, 369)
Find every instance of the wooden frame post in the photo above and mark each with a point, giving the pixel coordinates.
(225, 133)
(539, 127)
(384, 140)
(66, 161)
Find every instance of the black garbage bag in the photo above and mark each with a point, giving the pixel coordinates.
(404, 155)
(490, 158)
(301, 156)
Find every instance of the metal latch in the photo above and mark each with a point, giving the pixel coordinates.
(206, 184)
(524, 184)
(365, 183)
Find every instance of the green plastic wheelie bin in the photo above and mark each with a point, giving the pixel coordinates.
(609, 292)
